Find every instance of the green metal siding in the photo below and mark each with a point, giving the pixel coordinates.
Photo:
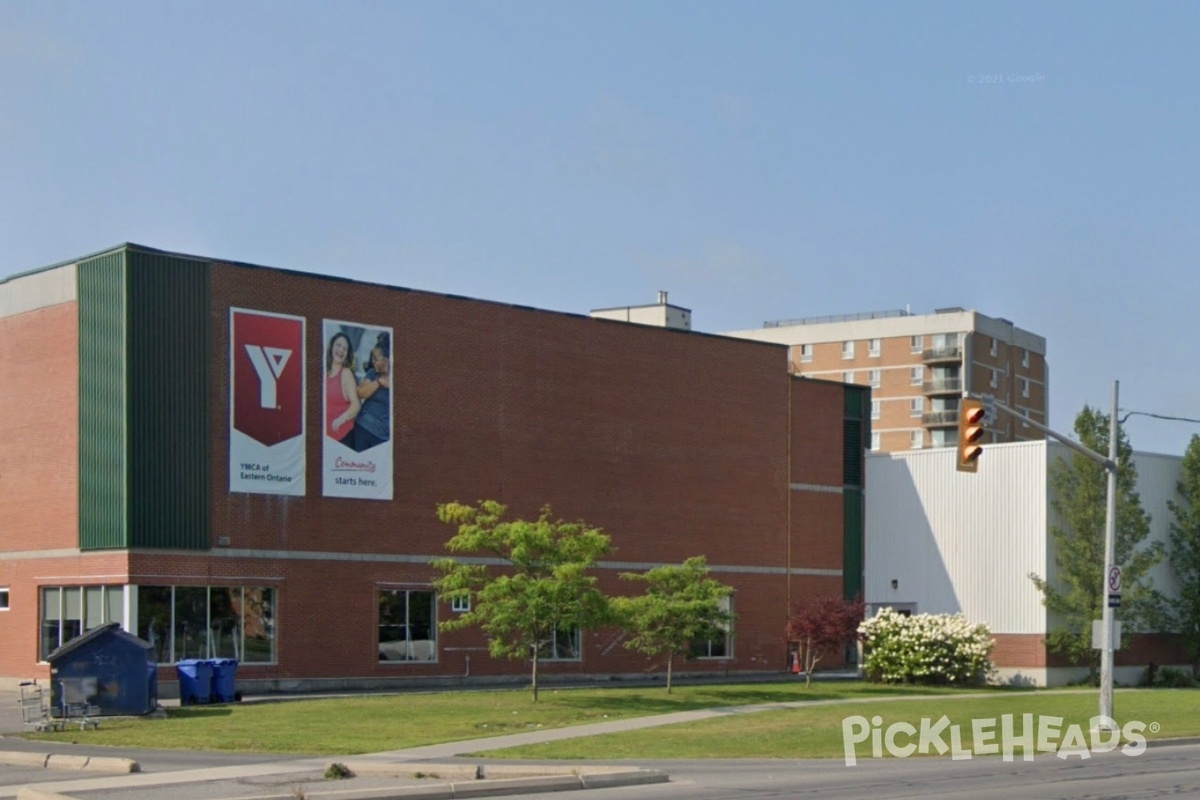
(103, 432)
(852, 539)
(856, 435)
(856, 438)
(143, 397)
(168, 401)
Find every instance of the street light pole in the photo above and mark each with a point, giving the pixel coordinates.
(1110, 536)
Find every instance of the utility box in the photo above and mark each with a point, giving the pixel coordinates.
(108, 671)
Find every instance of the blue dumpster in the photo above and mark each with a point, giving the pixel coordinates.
(224, 679)
(195, 680)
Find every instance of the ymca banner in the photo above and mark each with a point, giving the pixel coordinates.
(356, 364)
(266, 402)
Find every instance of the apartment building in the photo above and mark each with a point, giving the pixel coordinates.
(918, 366)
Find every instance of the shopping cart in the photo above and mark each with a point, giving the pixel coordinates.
(76, 706)
(35, 710)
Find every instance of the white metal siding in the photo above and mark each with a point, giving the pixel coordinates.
(1157, 479)
(955, 541)
(37, 290)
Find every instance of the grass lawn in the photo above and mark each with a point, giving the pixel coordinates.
(817, 732)
(367, 724)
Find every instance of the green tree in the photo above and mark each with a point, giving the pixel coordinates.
(1075, 595)
(1182, 614)
(681, 605)
(544, 586)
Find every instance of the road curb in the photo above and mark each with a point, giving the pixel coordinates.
(461, 783)
(108, 764)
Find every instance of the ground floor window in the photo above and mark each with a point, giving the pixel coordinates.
(183, 622)
(407, 625)
(3, 598)
(720, 642)
(69, 611)
(562, 646)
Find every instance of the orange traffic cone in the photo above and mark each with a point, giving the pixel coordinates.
(795, 663)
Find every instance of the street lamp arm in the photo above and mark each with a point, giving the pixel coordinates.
(1129, 414)
(1108, 464)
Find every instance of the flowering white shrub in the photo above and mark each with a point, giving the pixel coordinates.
(925, 648)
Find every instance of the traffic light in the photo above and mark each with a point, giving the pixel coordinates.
(970, 431)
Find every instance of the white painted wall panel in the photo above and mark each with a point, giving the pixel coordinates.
(36, 290)
(956, 541)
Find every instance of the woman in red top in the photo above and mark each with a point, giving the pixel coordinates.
(341, 395)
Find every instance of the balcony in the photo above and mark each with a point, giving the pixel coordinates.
(942, 386)
(940, 419)
(934, 355)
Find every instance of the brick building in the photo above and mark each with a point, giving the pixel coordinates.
(918, 366)
(174, 456)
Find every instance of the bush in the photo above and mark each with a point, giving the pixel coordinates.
(925, 648)
(1171, 678)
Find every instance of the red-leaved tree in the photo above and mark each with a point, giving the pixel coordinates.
(823, 625)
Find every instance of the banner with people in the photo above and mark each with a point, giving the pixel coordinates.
(266, 402)
(356, 363)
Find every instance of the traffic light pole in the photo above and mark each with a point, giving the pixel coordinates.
(1110, 528)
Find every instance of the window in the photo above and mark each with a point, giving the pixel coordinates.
(806, 351)
(407, 628)
(916, 440)
(916, 344)
(562, 646)
(875, 444)
(207, 622)
(873, 348)
(3, 598)
(1024, 387)
(460, 605)
(69, 611)
(720, 641)
(1025, 414)
(847, 377)
(873, 378)
(1024, 358)
(916, 406)
(995, 381)
(874, 409)
(848, 349)
(995, 346)
(916, 375)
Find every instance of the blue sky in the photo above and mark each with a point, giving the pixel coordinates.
(763, 160)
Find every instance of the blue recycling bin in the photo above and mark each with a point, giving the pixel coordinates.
(195, 680)
(224, 679)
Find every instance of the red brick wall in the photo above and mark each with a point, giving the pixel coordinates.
(39, 422)
(626, 426)
(39, 454)
(1019, 650)
(675, 444)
